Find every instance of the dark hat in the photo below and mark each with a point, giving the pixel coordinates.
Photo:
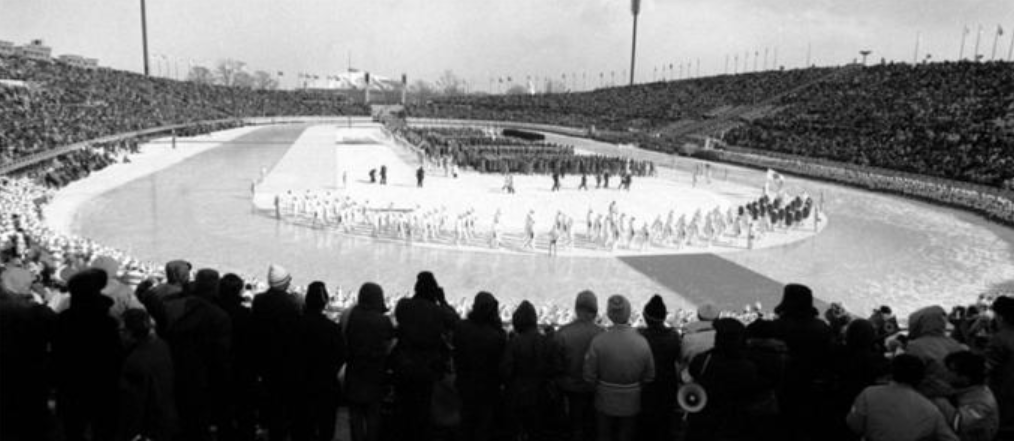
(1004, 307)
(426, 286)
(586, 301)
(485, 309)
(205, 284)
(371, 297)
(796, 300)
(316, 297)
(525, 317)
(655, 310)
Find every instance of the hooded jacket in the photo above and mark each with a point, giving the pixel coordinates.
(177, 273)
(928, 341)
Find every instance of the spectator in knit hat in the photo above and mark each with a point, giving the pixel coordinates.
(972, 410)
(276, 331)
(147, 404)
(658, 400)
(809, 339)
(87, 358)
(369, 334)
(122, 295)
(526, 369)
(479, 343)
(322, 351)
(199, 334)
(896, 411)
(1000, 364)
(619, 363)
(928, 340)
(26, 330)
(699, 336)
(421, 355)
(571, 343)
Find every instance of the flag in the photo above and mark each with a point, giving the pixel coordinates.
(999, 30)
(280, 73)
(966, 31)
(635, 7)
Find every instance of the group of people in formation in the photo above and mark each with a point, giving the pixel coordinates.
(610, 229)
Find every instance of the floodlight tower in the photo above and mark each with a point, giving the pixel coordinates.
(865, 53)
(144, 37)
(635, 9)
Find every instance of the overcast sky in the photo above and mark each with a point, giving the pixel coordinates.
(479, 39)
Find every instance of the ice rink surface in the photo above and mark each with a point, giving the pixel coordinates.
(877, 249)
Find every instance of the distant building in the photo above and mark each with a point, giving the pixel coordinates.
(36, 50)
(79, 61)
(6, 48)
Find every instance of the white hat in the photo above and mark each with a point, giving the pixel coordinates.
(278, 277)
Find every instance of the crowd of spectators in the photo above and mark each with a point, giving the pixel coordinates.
(949, 120)
(47, 104)
(487, 152)
(642, 107)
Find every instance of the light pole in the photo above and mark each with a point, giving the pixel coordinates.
(865, 53)
(144, 37)
(635, 9)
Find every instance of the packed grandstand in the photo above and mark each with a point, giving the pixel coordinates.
(247, 354)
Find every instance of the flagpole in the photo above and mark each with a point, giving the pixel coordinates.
(915, 54)
(996, 39)
(978, 36)
(635, 8)
(1010, 49)
(961, 53)
(809, 46)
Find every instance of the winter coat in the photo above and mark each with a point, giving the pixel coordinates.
(972, 413)
(478, 348)
(572, 341)
(927, 340)
(323, 353)
(897, 412)
(660, 394)
(733, 384)
(619, 363)
(276, 330)
(368, 334)
(199, 335)
(147, 402)
(26, 330)
(1000, 363)
(87, 355)
(422, 353)
(526, 369)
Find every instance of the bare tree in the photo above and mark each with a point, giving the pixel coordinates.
(421, 90)
(517, 89)
(264, 81)
(244, 79)
(226, 71)
(449, 84)
(201, 75)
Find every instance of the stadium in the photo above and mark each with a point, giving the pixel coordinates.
(760, 250)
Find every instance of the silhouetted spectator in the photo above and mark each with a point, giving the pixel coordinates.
(121, 294)
(238, 418)
(147, 404)
(896, 411)
(199, 334)
(732, 382)
(526, 369)
(571, 342)
(421, 355)
(26, 330)
(177, 275)
(805, 396)
(928, 340)
(369, 335)
(1000, 364)
(619, 363)
(479, 344)
(699, 336)
(858, 363)
(658, 399)
(972, 411)
(771, 356)
(276, 329)
(87, 357)
(322, 350)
